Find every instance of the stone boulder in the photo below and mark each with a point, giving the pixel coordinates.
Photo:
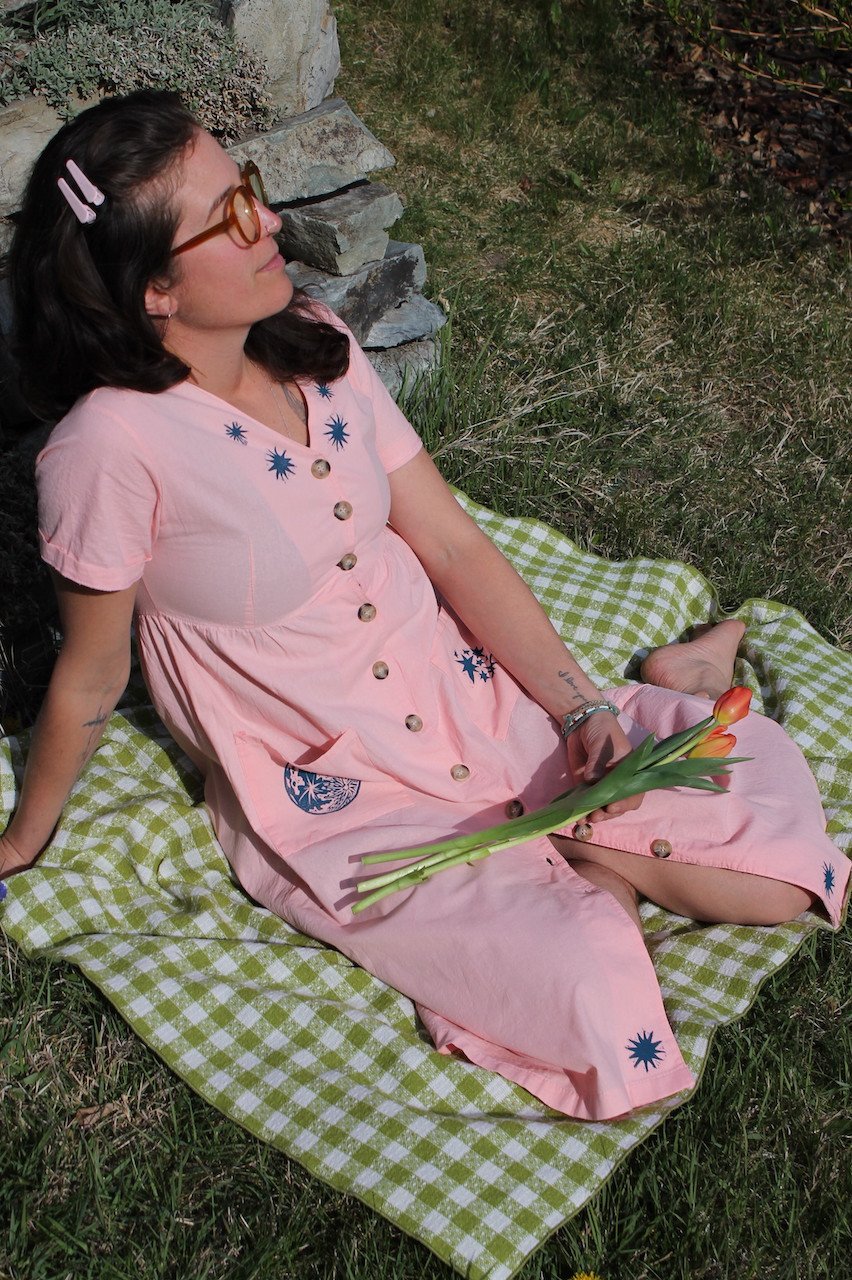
(342, 232)
(298, 41)
(26, 126)
(362, 298)
(413, 319)
(402, 366)
(315, 153)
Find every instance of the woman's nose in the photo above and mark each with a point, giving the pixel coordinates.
(269, 219)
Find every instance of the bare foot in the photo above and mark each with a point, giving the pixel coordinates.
(704, 665)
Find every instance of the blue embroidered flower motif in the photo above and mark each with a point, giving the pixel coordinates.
(337, 432)
(645, 1050)
(3, 890)
(317, 793)
(324, 390)
(280, 463)
(828, 877)
(236, 432)
(476, 663)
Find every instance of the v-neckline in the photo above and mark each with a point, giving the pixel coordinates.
(240, 413)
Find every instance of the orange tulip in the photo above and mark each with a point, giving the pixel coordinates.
(732, 706)
(715, 745)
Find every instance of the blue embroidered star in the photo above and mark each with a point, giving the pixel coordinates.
(645, 1050)
(336, 432)
(325, 390)
(828, 877)
(280, 464)
(475, 662)
(236, 432)
(467, 662)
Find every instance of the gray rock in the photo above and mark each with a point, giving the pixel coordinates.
(341, 233)
(25, 128)
(402, 366)
(315, 153)
(415, 318)
(362, 298)
(297, 39)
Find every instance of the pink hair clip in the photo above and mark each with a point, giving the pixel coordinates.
(84, 212)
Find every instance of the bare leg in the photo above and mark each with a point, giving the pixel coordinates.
(704, 665)
(711, 894)
(605, 878)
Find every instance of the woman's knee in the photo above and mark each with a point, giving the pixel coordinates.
(773, 902)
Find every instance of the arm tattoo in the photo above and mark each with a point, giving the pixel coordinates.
(572, 684)
(95, 727)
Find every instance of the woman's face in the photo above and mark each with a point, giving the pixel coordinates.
(222, 284)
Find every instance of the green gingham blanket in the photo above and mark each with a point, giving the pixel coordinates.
(312, 1054)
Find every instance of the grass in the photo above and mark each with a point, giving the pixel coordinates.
(656, 363)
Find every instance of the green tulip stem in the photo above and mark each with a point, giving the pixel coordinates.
(415, 875)
(650, 766)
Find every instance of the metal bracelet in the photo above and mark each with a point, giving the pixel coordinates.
(573, 719)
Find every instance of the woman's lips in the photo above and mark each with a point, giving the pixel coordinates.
(274, 262)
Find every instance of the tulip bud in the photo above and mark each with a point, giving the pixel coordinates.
(732, 706)
(716, 746)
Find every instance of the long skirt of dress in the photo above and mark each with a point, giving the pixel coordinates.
(524, 967)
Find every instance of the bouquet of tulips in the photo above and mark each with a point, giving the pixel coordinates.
(691, 758)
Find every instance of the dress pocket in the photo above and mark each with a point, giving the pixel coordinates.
(476, 690)
(292, 806)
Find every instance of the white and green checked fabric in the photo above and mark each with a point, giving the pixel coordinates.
(312, 1054)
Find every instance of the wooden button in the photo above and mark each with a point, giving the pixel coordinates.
(381, 670)
(348, 561)
(661, 849)
(367, 612)
(459, 772)
(514, 809)
(342, 510)
(320, 469)
(582, 831)
(414, 723)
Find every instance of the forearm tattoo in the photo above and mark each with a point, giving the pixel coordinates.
(568, 679)
(95, 728)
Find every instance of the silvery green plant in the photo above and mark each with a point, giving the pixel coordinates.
(116, 47)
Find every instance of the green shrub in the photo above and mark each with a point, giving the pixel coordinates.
(141, 44)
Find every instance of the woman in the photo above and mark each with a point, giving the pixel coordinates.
(351, 663)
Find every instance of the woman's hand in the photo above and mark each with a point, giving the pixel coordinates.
(593, 748)
(11, 859)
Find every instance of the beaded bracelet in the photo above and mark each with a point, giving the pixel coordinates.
(573, 719)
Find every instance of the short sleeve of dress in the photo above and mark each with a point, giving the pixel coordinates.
(396, 440)
(98, 499)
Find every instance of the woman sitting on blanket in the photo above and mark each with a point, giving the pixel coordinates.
(351, 663)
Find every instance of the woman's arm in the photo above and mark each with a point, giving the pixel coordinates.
(496, 604)
(90, 674)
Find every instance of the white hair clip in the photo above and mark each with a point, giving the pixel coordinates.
(84, 212)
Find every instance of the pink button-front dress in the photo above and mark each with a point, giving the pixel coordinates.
(295, 648)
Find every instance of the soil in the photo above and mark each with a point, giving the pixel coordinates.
(772, 82)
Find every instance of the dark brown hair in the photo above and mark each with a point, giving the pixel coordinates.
(79, 290)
